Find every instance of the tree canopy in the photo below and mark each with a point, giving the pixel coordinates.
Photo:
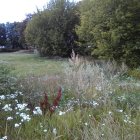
(103, 29)
(52, 31)
(112, 29)
(2, 35)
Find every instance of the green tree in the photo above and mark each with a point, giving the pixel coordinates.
(112, 28)
(20, 28)
(2, 35)
(52, 31)
(12, 35)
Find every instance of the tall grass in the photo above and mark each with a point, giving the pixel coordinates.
(97, 103)
(89, 79)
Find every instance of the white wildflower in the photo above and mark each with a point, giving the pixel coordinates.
(16, 92)
(27, 109)
(41, 125)
(70, 109)
(110, 113)
(11, 96)
(7, 107)
(45, 130)
(127, 119)
(20, 93)
(4, 138)
(9, 118)
(17, 113)
(24, 117)
(16, 101)
(121, 98)
(86, 124)
(94, 103)
(21, 106)
(54, 131)
(119, 110)
(37, 111)
(17, 125)
(2, 97)
(61, 113)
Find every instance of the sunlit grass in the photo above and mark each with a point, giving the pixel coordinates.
(25, 64)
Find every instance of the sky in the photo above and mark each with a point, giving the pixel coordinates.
(16, 10)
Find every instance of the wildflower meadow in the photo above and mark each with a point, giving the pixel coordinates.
(81, 100)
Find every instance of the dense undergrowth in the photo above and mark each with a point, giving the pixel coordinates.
(89, 101)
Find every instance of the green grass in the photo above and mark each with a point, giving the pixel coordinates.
(135, 73)
(26, 64)
(116, 117)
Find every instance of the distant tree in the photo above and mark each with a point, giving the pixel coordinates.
(112, 29)
(15, 33)
(21, 30)
(52, 31)
(12, 35)
(2, 35)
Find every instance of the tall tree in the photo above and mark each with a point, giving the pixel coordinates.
(52, 30)
(114, 29)
(2, 35)
(15, 33)
(12, 35)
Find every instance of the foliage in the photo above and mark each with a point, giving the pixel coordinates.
(111, 29)
(2, 35)
(15, 33)
(135, 73)
(7, 81)
(12, 34)
(51, 31)
(46, 106)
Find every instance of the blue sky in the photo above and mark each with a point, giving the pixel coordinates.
(16, 10)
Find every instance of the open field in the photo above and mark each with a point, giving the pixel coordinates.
(25, 64)
(77, 100)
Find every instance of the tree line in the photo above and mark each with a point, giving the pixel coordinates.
(12, 35)
(103, 29)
